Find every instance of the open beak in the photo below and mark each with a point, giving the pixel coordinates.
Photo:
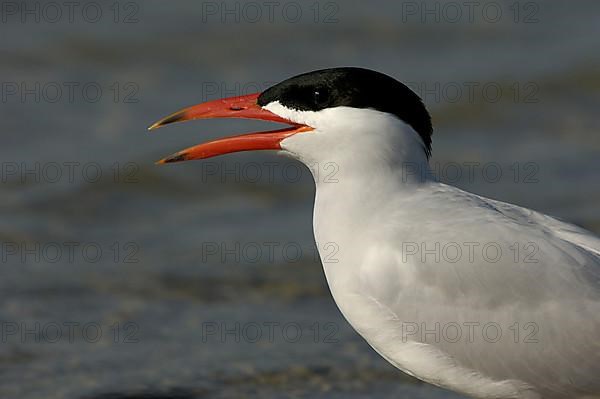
(233, 107)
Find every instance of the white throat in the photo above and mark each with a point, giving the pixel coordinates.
(360, 143)
(360, 159)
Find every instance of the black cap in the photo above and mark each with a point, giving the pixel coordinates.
(352, 87)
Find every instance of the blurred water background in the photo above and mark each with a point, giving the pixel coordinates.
(122, 279)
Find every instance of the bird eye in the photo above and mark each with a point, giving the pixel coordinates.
(320, 96)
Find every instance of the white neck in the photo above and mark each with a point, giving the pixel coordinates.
(361, 160)
(362, 143)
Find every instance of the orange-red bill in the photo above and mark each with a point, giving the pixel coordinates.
(233, 107)
(245, 142)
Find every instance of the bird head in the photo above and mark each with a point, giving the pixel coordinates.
(349, 113)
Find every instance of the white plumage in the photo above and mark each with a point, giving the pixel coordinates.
(529, 320)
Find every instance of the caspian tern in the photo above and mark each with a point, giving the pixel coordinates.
(520, 325)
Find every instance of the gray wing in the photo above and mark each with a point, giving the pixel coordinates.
(531, 315)
(563, 230)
